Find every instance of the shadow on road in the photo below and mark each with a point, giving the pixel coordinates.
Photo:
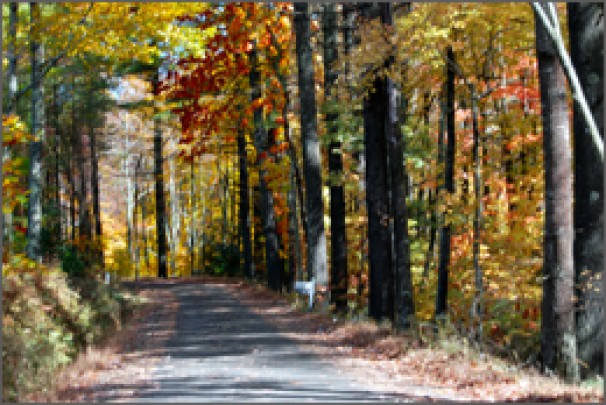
(223, 352)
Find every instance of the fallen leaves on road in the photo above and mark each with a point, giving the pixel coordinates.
(451, 364)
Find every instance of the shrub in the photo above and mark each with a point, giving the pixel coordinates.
(47, 319)
(72, 261)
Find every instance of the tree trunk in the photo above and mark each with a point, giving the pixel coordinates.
(135, 221)
(95, 194)
(312, 160)
(159, 183)
(272, 243)
(404, 303)
(245, 222)
(444, 261)
(338, 237)
(381, 278)
(5, 154)
(130, 208)
(175, 220)
(586, 28)
(35, 180)
(476, 309)
(558, 341)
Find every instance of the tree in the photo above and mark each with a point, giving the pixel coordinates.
(338, 236)
(449, 185)
(7, 218)
(261, 139)
(312, 160)
(586, 30)
(558, 341)
(404, 302)
(245, 221)
(35, 180)
(381, 277)
(159, 187)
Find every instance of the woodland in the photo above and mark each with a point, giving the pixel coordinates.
(428, 166)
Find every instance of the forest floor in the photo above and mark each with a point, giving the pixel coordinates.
(218, 340)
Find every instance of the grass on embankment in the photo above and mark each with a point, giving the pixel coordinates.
(47, 319)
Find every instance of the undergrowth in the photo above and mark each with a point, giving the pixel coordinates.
(47, 319)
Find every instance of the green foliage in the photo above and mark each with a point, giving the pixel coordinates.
(72, 262)
(225, 259)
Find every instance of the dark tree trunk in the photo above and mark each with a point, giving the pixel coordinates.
(558, 341)
(586, 27)
(381, 278)
(272, 244)
(72, 197)
(312, 160)
(403, 295)
(84, 226)
(136, 221)
(338, 237)
(95, 192)
(35, 180)
(245, 207)
(444, 261)
(159, 182)
(477, 179)
(144, 229)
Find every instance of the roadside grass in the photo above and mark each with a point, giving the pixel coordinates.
(49, 318)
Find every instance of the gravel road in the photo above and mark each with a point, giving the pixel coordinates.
(222, 351)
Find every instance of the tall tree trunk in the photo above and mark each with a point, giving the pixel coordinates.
(403, 297)
(477, 218)
(130, 208)
(135, 221)
(193, 221)
(381, 277)
(444, 261)
(586, 28)
(338, 236)
(433, 196)
(144, 229)
(312, 160)
(245, 221)
(72, 196)
(5, 154)
(272, 242)
(159, 188)
(35, 180)
(95, 194)
(558, 341)
(175, 220)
